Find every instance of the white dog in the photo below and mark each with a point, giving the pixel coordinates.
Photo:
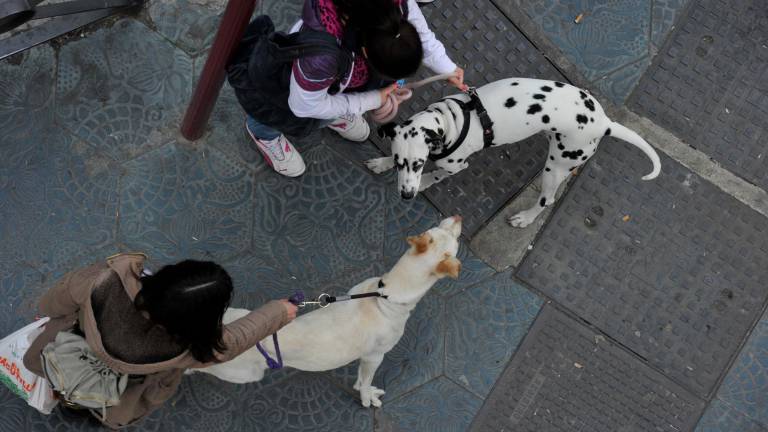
(449, 131)
(364, 329)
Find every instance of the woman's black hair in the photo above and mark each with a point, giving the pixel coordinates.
(189, 299)
(392, 44)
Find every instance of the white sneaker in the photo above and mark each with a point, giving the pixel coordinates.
(353, 127)
(280, 155)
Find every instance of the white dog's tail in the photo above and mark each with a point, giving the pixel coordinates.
(619, 131)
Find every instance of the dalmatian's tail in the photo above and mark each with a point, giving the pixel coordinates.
(621, 132)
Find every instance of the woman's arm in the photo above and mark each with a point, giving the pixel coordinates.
(435, 56)
(242, 334)
(310, 99)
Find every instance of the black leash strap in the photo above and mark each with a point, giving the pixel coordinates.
(474, 104)
(485, 121)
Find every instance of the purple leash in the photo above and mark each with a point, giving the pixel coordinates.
(296, 299)
(322, 301)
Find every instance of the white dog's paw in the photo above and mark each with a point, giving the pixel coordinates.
(380, 165)
(522, 219)
(370, 396)
(357, 384)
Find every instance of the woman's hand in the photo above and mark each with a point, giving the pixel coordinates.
(458, 80)
(386, 91)
(291, 309)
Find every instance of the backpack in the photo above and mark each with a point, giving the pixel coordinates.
(260, 72)
(82, 379)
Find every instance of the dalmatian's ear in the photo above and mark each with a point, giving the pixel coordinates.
(433, 139)
(387, 130)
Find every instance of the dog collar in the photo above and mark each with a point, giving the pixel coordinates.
(474, 104)
(448, 150)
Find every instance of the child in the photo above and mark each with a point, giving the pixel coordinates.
(388, 39)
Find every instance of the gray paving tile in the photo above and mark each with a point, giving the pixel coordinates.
(707, 86)
(672, 268)
(566, 376)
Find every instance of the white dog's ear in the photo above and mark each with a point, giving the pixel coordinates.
(420, 243)
(450, 266)
(387, 130)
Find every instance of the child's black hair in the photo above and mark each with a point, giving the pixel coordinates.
(392, 44)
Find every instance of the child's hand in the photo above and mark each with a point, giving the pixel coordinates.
(386, 91)
(458, 80)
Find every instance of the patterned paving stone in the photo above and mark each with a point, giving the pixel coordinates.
(484, 326)
(720, 417)
(299, 402)
(26, 89)
(746, 386)
(190, 24)
(186, 202)
(284, 13)
(618, 85)
(326, 226)
(663, 17)
(610, 35)
(114, 96)
(258, 279)
(59, 197)
(20, 287)
(438, 406)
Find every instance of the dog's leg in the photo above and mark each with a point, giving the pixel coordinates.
(369, 395)
(380, 165)
(550, 181)
(440, 174)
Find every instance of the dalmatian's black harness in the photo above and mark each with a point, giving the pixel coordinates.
(476, 105)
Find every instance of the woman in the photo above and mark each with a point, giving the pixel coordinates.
(151, 327)
(389, 39)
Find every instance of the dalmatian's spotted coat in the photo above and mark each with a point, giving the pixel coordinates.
(571, 119)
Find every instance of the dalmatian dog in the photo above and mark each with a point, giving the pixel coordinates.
(450, 131)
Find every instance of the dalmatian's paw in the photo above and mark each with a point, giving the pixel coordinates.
(380, 165)
(370, 396)
(522, 219)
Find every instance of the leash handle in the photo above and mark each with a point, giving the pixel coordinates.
(297, 298)
(388, 111)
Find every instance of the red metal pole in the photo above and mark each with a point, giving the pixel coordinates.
(236, 18)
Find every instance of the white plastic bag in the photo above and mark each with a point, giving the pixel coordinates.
(32, 388)
(42, 398)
